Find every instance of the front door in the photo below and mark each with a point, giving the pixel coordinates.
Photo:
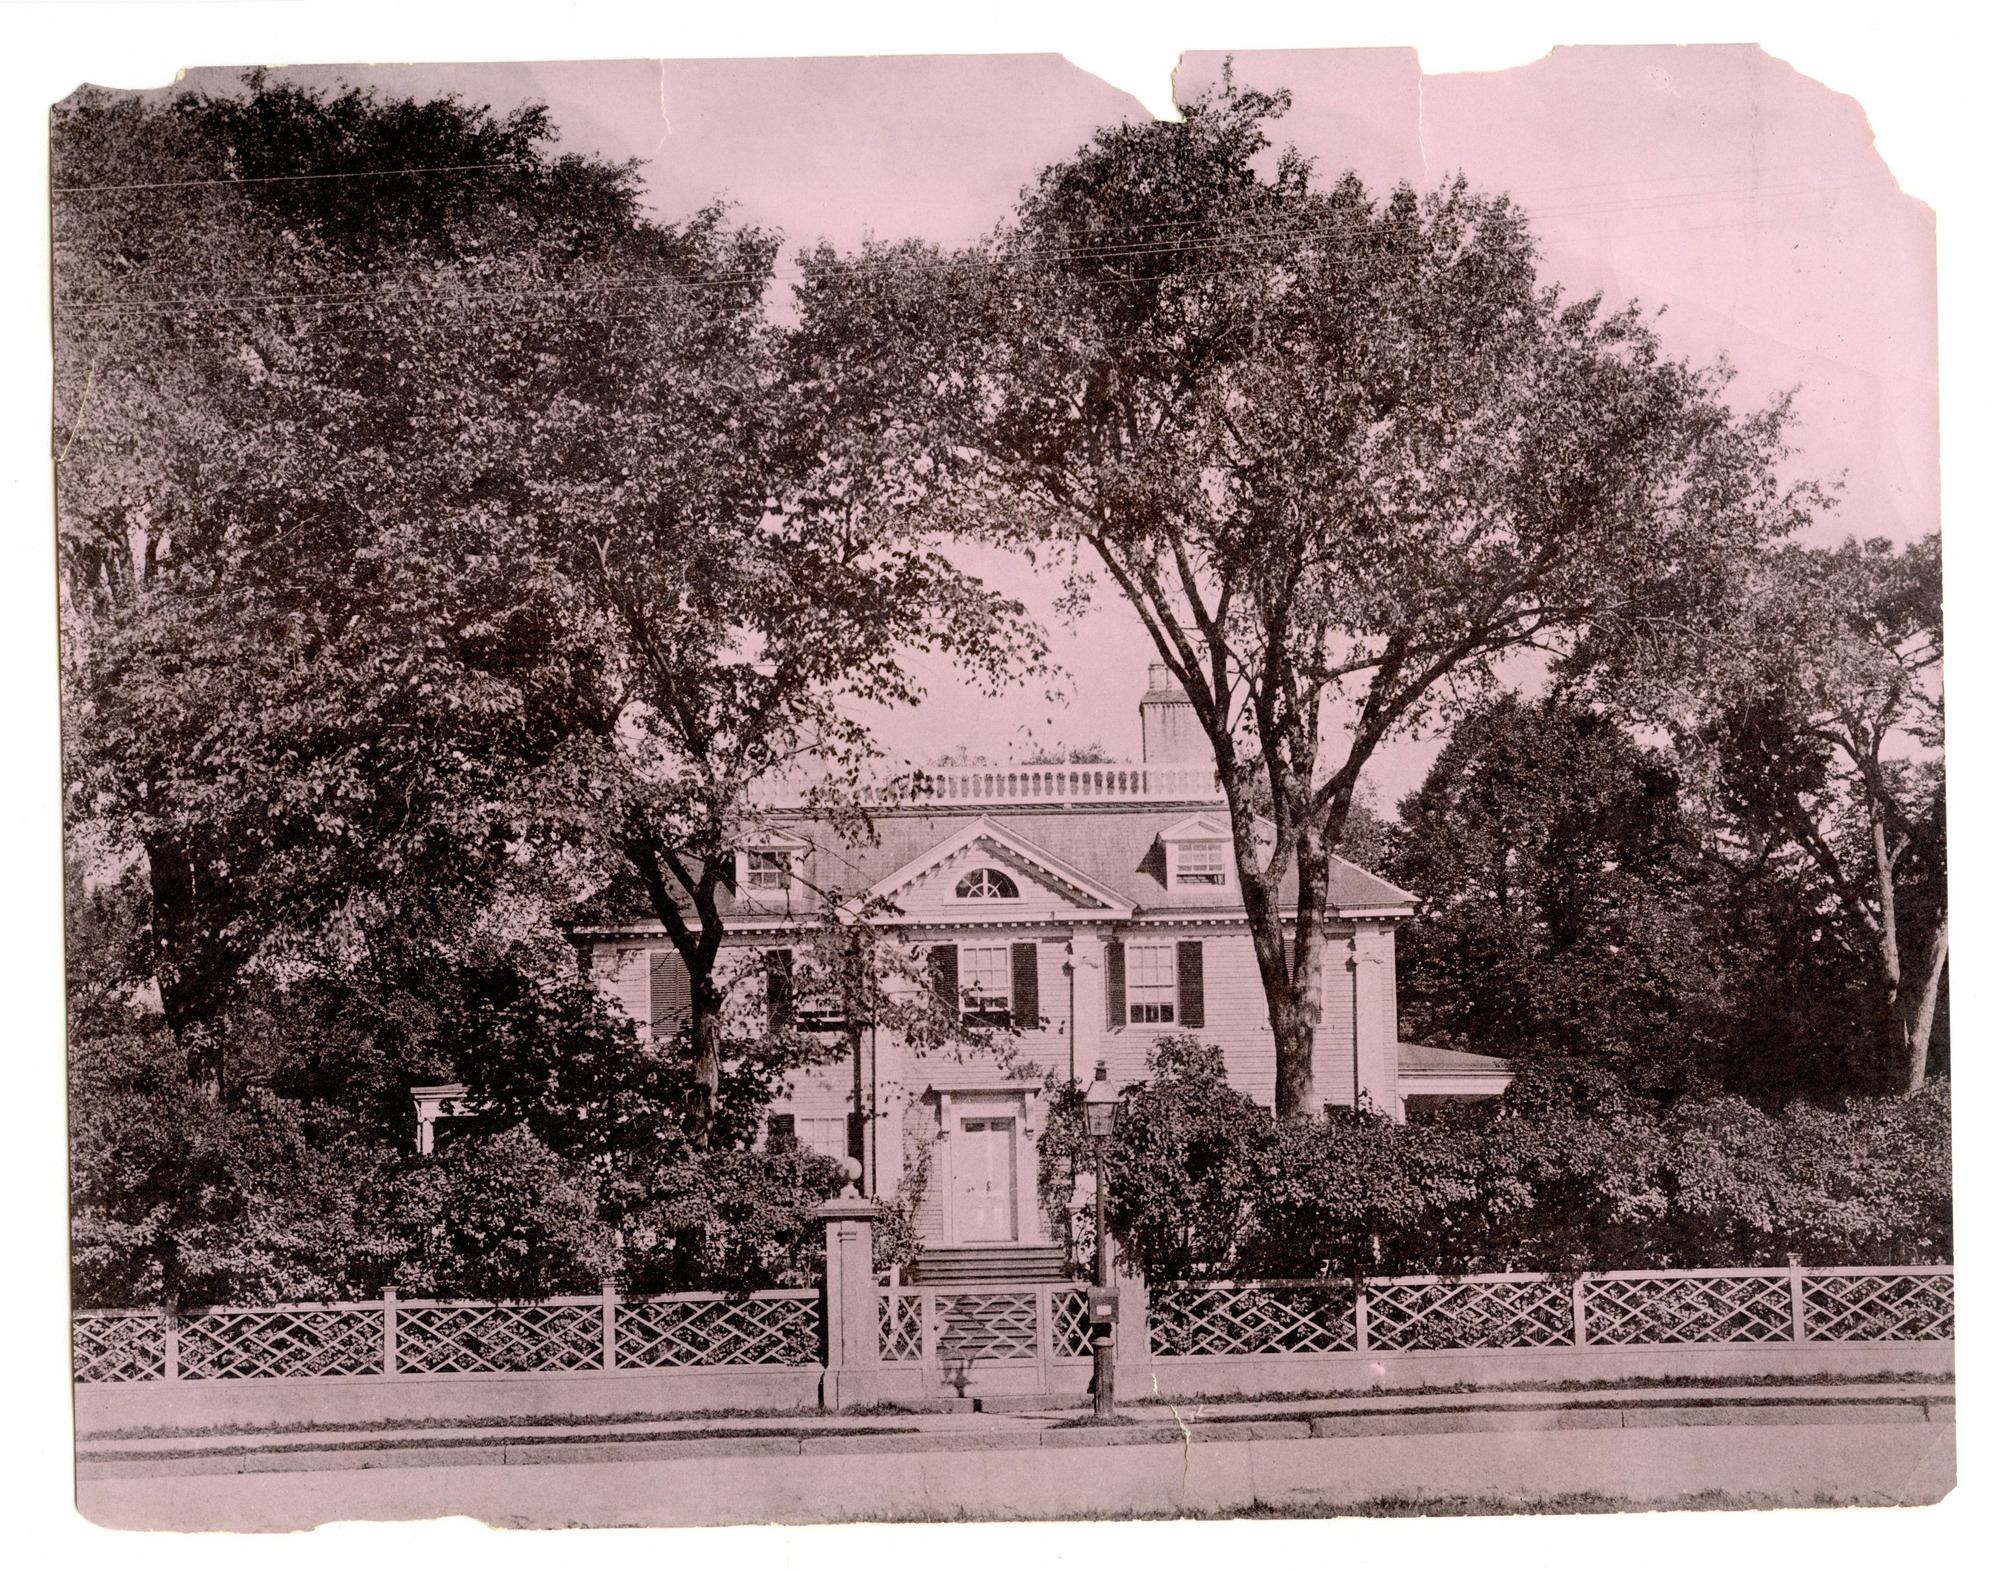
(984, 1167)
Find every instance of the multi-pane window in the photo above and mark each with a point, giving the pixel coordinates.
(987, 883)
(984, 977)
(827, 1136)
(769, 869)
(1201, 862)
(1151, 982)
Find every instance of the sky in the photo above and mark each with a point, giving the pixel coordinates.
(1714, 183)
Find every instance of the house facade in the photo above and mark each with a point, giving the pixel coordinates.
(1078, 911)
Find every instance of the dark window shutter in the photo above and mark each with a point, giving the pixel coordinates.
(1114, 980)
(944, 974)
(778, 997)
(672, 1000)
(1193, 1006)
(1027, 987)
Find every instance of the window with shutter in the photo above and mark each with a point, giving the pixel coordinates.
(944, 974)
(985, 982)
(1026, 987)
(1114, 981)
(779, 999)
(1192, 984)
(672, 999)
(1151, 983)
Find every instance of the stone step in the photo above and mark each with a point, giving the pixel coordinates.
(998, 1263)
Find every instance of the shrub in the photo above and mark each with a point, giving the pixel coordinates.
(1569, 1170)
(730, 1220)
(499, 1216)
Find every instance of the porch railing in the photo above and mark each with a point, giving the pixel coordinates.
(402, 1338)
(1056, 785)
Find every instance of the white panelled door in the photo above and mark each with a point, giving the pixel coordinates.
(983, 1166)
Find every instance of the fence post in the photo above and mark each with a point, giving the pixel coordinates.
(389, 1333)
(1797, 1299)
(610, 1324)
(927, 1307)
(170, 1345)
(1044, 1333)
(1360, 1314)
(853, 1301)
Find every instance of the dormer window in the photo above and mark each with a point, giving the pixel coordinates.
(768, 870)
(987, 883)
(1198, 853)
(1201, 862)
(774, 868)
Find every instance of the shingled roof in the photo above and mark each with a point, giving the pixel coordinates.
(1119, 847)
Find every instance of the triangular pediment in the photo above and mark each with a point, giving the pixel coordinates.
(924, 887)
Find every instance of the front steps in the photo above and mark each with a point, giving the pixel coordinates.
(980, 1263)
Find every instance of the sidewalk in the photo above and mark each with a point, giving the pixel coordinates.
(1142, 1423)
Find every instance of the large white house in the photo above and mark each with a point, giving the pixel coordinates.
(1087, 909)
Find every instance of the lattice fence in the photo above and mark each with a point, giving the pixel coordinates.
(1656, 1310)
(1889, 1307)
(1422, 1316)
(1069, 1334)
(680, 1333)
(901, 1326)
(260, 1344)
(987, 1326)
(1252, 1317)
(1004, 1324)
(466, 1339)
(118, 1347)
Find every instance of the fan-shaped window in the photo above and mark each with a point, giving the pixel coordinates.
(987, 883)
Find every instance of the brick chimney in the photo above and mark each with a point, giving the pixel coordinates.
(1168, 731)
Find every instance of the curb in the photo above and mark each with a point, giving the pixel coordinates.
(516, 1452)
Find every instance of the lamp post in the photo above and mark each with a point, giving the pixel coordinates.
(1100, 1110)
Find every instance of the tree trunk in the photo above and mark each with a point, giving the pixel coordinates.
(195, 967)
(698, 949)
(1292, 969)
(1918, 1011)
(705, 1010)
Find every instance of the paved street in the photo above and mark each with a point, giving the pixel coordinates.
(1877, 1444)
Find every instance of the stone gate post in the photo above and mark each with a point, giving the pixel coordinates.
(853, 1327)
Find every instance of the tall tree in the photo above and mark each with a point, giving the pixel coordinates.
(1814, 710)
(741, 520)
(1563, 896)
(414, 538)
(298, 687)
(1343, 457)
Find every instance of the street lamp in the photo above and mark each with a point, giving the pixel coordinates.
(1100, 1110)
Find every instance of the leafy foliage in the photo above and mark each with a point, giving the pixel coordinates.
(1341, 455)
(1569, 1170)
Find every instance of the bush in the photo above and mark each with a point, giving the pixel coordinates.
(731, 1221)
(498, 1216)
(1569, 1170)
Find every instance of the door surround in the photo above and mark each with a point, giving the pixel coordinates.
(1019, 1104)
